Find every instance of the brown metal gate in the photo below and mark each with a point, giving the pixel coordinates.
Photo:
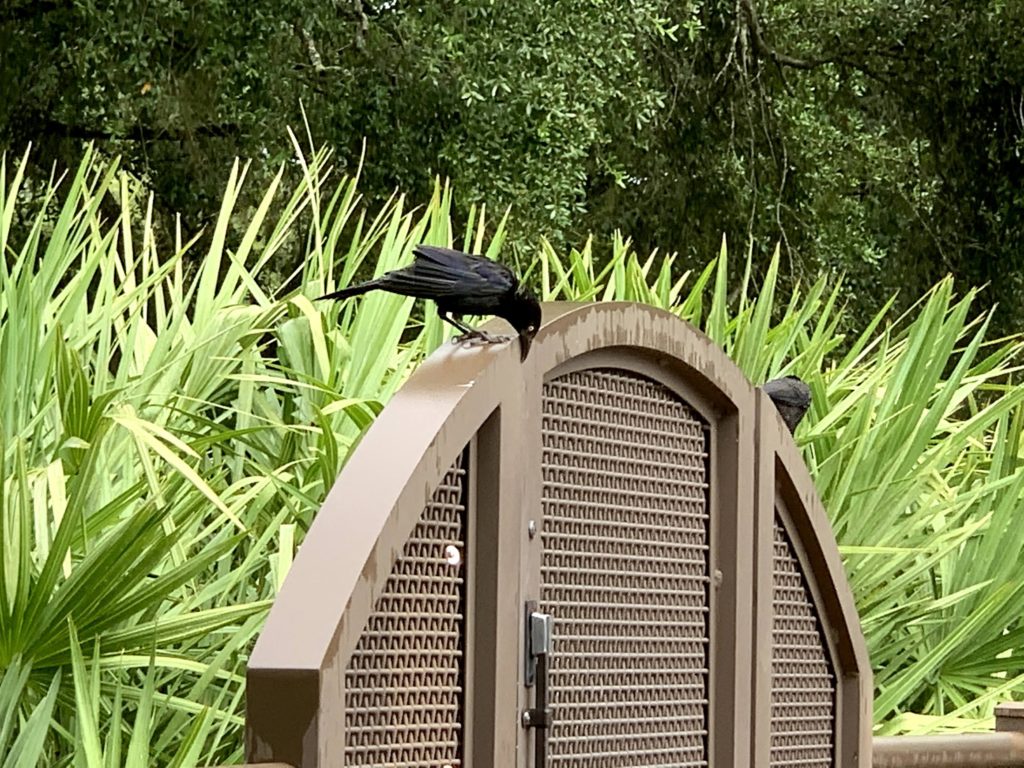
(625, 571)
(803, 682)
(404, 682)
(629, 483)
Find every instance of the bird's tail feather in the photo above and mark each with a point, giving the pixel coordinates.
(352, 290)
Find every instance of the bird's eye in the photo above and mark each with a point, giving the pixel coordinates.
(531, 328)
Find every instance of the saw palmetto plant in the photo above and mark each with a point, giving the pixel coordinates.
(169, 426)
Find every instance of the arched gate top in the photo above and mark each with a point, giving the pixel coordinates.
(764, 514)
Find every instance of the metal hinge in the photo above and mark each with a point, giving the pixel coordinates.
(536, 718)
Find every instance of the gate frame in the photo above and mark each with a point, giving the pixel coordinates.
(484, 398)
(784, 482)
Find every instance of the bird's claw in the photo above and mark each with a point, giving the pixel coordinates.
(479, 338)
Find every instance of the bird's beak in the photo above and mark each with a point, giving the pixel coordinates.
(525, 340)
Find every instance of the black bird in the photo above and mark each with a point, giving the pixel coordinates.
(461, 284)
(791, 396)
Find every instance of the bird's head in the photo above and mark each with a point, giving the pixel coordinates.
(791, 396)
(525, 318)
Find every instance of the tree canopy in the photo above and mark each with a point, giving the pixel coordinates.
(880, 139)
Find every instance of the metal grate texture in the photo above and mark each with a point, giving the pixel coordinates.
(803, 681)
(625, 572)
(403, 685)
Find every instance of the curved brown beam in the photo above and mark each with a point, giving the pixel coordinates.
(295, 692)
(295, 677)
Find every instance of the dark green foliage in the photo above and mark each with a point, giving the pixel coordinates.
(879, 139)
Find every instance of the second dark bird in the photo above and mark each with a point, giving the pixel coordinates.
(792, 398)
(461, 284)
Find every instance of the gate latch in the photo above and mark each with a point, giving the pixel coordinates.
(539, 628)
(538, 639)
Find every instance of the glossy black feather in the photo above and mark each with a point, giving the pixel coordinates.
(464, 283)
(461, 284)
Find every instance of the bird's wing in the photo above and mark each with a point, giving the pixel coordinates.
(444, 273)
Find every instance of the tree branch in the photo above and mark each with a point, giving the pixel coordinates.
(315, 59)
(363, 23)
(49, 126)
(761, 47)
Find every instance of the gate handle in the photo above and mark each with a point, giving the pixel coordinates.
(539, 628)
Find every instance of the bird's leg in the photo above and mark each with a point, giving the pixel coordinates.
(471, 336)
(483, 337)
(467, 332)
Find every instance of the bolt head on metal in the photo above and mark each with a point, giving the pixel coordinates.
(527, 720)
(531, 528)
(452, 555)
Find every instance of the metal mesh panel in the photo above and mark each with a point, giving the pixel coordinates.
(625, 572)
(403, 685)
(803, 682)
